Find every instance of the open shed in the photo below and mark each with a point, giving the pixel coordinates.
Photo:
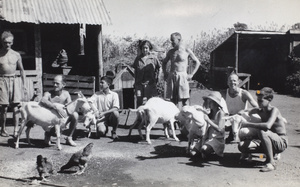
(263, 55)
(43, 27)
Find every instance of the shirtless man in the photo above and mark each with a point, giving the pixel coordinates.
(59, 95)
(236, 99)
(10, 92)
(177, 79)
(272, 138)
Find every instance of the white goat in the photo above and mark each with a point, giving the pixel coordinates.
(47, 119)
(235, 122)
(155, 110)
(192, 118)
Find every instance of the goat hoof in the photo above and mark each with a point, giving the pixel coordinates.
(59, 147)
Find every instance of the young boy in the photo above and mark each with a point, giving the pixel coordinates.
(272, 138)
(106, 105)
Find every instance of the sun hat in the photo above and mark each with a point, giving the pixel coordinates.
(215, 96)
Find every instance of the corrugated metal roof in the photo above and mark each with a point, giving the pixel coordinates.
(91, 12)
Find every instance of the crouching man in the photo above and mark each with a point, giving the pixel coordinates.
(271, 131)
(59, 95)
(105, 104)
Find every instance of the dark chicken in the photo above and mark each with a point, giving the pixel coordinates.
(44, 167)
(79, 159)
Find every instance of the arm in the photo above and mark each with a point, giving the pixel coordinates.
(68, 97)
(115, 105)
(101, 114)
(263, 125)
(46, 102)
(220, 126)
(246, 96)
(21, 68)
(157, 69)
(196, 60)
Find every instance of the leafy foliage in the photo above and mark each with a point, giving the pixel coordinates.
(293, 84)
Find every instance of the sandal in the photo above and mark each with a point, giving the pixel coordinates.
(268, 167)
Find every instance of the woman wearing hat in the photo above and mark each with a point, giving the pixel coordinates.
(215, 136)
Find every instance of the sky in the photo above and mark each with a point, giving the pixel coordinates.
(160, 18)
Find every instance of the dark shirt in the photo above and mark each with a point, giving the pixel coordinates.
(146, 69)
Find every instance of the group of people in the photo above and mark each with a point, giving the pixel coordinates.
(271, 133)
(267, 135)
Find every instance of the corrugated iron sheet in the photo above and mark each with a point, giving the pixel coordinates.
(91, 12)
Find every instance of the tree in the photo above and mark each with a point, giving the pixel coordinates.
(240, 26)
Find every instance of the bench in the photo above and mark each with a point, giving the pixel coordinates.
(74, 83)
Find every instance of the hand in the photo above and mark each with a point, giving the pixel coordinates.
(189, 77)
(60, 111)
(99, 115)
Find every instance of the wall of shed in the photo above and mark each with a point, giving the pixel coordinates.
(265, 59)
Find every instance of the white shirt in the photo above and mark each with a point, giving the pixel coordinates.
(105, 102)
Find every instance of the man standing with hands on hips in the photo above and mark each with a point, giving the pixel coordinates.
(178, 89)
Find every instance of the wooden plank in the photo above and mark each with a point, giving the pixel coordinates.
(49, 83)
(219, 68)
(74, 83)
(71, 78)
(243, 74)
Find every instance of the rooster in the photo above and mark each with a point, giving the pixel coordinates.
(79, 159)
(44, 167)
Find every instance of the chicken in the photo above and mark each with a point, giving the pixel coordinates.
(79, 159)
(44, 167)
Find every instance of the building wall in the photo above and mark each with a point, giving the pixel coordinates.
(265, 58)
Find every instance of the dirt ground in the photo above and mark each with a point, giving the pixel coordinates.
(131, 162)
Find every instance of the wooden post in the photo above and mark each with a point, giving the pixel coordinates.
(82, 31)
(100, 58)
(38, 55)
(237, 53)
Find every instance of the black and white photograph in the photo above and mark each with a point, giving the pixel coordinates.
(140, 93)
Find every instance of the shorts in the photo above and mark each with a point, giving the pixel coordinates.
(279, 142)
(10, 90)
(177, 86)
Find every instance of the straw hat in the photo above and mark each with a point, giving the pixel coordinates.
(215, 96)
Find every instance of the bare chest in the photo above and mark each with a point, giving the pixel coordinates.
(8, 64)
(179, 56)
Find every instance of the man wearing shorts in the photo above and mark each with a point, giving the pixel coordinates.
(10, 92)
(178, 89)
(272, 138)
